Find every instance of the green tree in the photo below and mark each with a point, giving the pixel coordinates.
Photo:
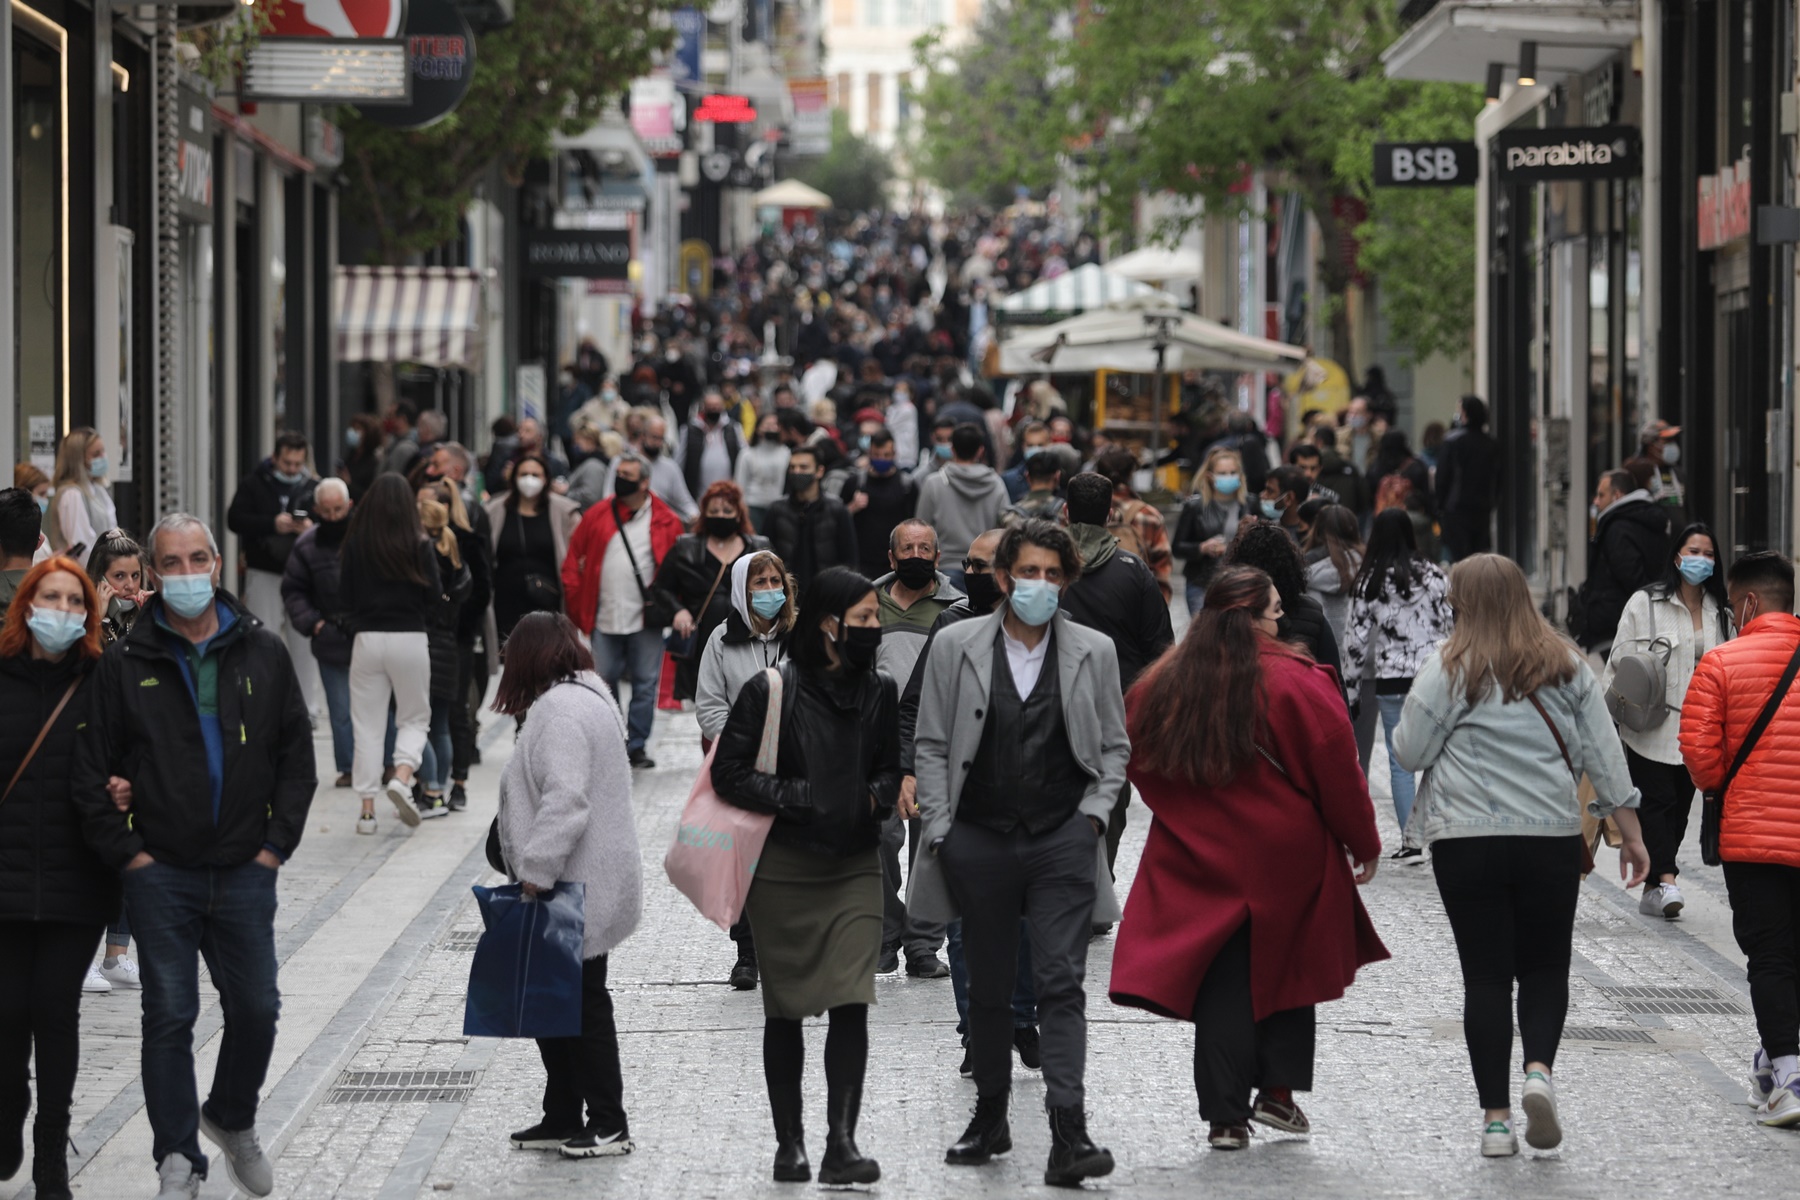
(552, 70)
(855, 172)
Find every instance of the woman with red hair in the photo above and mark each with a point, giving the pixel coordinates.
(1244, 912)
(696, 571)
(56, 897)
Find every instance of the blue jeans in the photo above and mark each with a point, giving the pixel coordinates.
(335, 680)
(1399, 776)
(1196, 597)
(227, 915)
(641, 653)
(434, 764)
(1024, 999)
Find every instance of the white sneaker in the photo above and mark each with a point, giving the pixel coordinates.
(1498, 1140)
(1783, 1108)
(95, 981)
(1672, 902)
(1762, 1078)
(123, 973)
(1651, 905)
(176, 1176)
(365, 823)
(1542, 1130)
(401, 797)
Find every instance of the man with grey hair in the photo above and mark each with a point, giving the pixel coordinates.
(650, 441)
(199, 708)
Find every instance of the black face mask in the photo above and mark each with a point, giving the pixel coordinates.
(915, 573)
(653, 452)
(624, 489)
(331, 533)
(711, 418)
(799, 481)
(983, 592)
(857, 646)
(769, 439)
(722, 527)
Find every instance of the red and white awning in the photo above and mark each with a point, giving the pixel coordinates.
(426, 315)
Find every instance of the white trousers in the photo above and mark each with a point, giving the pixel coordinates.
(262, 596)
(383, 665)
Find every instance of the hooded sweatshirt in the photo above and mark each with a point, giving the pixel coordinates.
(733, 654)
(962, 502)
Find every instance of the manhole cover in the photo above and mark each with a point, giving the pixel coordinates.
(461, 939)
(1597, 1033)
(400, 1087)
(1702, 1001)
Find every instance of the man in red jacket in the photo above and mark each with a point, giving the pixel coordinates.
(1759, 833)
(606, 587)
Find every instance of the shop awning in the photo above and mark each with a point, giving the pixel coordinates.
(1086, 287)
(1457, 39)
(426, 315)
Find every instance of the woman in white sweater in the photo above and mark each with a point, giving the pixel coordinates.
(761, 470)
(83, 508)
(565, 814)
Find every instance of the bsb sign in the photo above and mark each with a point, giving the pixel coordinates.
(1426, 164)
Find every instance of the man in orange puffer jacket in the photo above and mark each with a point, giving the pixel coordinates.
(1759, 834)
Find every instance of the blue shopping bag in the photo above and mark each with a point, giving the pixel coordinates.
(526, 978)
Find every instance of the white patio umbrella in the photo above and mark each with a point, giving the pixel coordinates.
(1125, 339)
(1085, 289)
(791, 193)
(1159, 265)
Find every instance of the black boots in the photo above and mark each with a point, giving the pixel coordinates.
(843, 1162)
(1073, 1155)
(743, 972)
(49, 1161)
(790, 1137)
(988, 1134)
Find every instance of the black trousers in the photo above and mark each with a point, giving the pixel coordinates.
(462, 719)
(1463, 534)
(1765, 916)
(1511, 904)
(1115, 828)
(44, 963)
(1049, 879)
(585, 1069)
(1668, 800)
(1233, 1051)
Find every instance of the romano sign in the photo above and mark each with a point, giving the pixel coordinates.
(577, 254)
(1580, 153)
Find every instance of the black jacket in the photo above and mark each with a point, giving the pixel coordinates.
(441, 622)
(47, 870)
(840, 745)
(1118, 596)
(259, 500)
(309, 592)
(892, 499)
(475, 547)
(143, 726)
(962, 610)
(1303, 620)
(1468, 473)
(1201, 520)
(693, 447)
(1630, 549)
(373, 603)
(812, 537)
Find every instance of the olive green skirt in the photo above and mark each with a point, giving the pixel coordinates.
(817, 923)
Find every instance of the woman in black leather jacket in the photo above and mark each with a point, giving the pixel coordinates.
(815, 906)
(698, 569)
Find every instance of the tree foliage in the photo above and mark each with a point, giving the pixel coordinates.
(552, 70)
(855, 172)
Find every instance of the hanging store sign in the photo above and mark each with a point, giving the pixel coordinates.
(1426, 164)
(809, 132)
(577, 254)
(315, 70)
(335, 18)
(194, 159)
(440, 54)
(656, 117)
(690, 41)
(726, 109)
(1581, 154)
(1724, 214)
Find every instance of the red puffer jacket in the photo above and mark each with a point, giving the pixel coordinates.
(1761, 820)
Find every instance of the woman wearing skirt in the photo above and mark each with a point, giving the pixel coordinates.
(815, 907)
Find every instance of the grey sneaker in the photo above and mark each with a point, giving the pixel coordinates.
(245, 1161)
(175, 1175)
(1652, 903)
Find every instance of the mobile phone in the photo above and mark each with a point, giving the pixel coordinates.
(300, 514)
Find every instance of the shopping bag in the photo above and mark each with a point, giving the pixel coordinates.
(526, 977)
(717, 845)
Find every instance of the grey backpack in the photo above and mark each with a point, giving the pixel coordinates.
(1637, 696)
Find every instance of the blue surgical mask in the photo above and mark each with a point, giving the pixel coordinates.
(98, 467)
(291, 480)
(1695, 568)
(1034, 601)
(941, 449)
(54, 629)
(188, 595)
(1270, 511)
(768, 605)
(881, 466)
(1033, 451)
(43, 504)
(1227, 485)
(353, 437)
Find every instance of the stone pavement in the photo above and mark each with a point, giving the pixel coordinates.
(376, 936)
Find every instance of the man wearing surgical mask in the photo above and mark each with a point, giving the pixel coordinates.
(1663, 451)
(198, 705)
(272, 508)
(1019, 754)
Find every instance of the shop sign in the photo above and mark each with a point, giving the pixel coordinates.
(726, 109)
(440, 54)
(1426, 164)
(809, 133)
(194, 159)
(1580, 153)
(690, 40)
(335, 18)
(1725, 205)
(324, 142)
(577, 254)
(716, 166)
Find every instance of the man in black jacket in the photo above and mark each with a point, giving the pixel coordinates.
(199, 708)
(1468, 483)
(1630, 549)
(808, 530)
(879, 496)
(1118, 596)
(272, 508)
(309, 590)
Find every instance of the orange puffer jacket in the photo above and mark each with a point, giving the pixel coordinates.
(1761, 820)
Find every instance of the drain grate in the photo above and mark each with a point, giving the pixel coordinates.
(1600, 1033)
(401, 1087)
(1698, 1001)
(461, 939)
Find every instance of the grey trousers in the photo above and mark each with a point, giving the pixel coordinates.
(995, 878)
(898, 927)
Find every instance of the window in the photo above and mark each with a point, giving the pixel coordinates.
(875, 114)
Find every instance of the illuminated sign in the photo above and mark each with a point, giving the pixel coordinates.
(726, 110)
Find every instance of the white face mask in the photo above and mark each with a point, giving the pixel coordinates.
(530, 486)
(1671, 454)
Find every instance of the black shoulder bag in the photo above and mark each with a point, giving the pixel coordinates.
(1712, 805)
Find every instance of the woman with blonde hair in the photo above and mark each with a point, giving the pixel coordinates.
(1501, 722)
(1209, 520)
(83, 505)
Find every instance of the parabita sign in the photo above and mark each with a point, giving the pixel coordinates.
(1578, 153)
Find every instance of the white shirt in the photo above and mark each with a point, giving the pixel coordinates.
(1026, 662)
(715, 454)
(621, 607)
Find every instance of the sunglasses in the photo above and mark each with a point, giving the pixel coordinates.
(977, 566)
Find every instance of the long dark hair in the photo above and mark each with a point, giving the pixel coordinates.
(831, 593)
(1196, 713)
(544, 649)
(1393, 554)
(1670, 582)
(384, 533)
(1267, 547)
(512, 489)
(1336, 530)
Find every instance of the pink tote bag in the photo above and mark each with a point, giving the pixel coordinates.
(717, 844)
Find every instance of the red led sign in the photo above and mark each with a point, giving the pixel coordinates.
(726, 110)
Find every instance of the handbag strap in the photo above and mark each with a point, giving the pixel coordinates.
(706, 604)
(636, 571)
(1555, 733)
(1763, 718)
(771, 735)
(43, 733)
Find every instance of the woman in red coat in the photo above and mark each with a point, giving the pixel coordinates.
(1244, 913)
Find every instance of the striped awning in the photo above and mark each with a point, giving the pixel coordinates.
(1085, 288)
(426, 315)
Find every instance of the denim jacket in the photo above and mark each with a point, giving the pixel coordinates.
(1494, 768)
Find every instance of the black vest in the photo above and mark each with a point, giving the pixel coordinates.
(1024, 772)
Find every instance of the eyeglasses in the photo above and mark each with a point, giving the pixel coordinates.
(977, 566)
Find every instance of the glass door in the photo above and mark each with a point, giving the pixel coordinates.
(39, 233)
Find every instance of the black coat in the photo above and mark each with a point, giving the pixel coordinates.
(259, 500)
(143, 726)
(47, 870)
(689, 572)
(1630, 549)
(962, 610)
(1468, 473)
(812, 537)
(840, 745)
(1303, 620)
(892, 499)
(309, 591)
(441, 622)
(476, 548)
(1121, 598)
(1201, 520)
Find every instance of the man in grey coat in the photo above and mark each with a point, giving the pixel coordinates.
(1019, 753)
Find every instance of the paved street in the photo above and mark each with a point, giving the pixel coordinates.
(375, 936)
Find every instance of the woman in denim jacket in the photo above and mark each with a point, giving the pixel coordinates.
(1501, 721)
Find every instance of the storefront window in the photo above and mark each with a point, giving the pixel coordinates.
(39, 199)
